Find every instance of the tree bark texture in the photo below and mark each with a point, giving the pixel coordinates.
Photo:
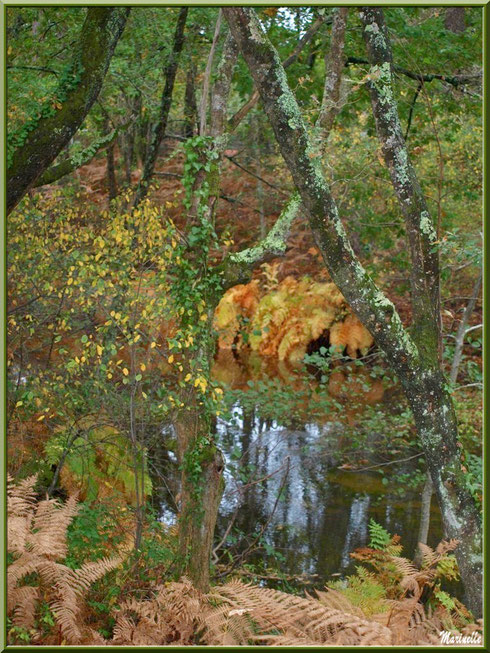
(334, 64)
(421, 233)
(423, 383)
(35, 146)
(160, 128)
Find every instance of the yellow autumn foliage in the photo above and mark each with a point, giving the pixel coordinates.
(282, 322)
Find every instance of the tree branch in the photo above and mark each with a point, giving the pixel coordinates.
(41, 69)
(72, 163)
(238, 267)
(455, 80)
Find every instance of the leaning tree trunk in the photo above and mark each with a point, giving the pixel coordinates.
(423, 382)
(34, 147)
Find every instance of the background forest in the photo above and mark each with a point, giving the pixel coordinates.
(244, 325)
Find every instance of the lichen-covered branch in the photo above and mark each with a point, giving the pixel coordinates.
(35, 145)
(160, 128)
(238, 267)
(420, 230)
(76, 161)
(458, 81)
(424, 384)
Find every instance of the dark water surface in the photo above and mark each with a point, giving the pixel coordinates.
(316, 513)
(286, 485)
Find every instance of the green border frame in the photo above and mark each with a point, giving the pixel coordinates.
(3, 288)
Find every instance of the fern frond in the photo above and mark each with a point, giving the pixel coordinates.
(22, 604)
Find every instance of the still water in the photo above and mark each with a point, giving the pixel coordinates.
(291, 506)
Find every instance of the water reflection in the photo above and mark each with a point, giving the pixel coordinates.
(291, 506)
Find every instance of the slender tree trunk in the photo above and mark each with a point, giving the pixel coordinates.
(190, 103)
(111, 167)
(460, 335)
(34, 147)
(424, 524)
(423, 381)
(334, 64)
(160, 128)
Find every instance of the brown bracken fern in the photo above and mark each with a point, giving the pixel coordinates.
(233, 614)
(36, 535)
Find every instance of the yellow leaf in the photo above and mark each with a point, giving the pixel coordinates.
(125, 371)
(19, 403)
(153, 345)
(171, 359)
(99, 350)
(142, 367)
(40, 418)
(188, 377)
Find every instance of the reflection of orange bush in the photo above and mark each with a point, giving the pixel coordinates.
(285, 320)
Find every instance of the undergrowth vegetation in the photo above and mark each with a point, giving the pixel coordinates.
(395, 603)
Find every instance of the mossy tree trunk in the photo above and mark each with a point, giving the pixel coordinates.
(200, 458)
(35, 145)
(159, 129)
(419, 371)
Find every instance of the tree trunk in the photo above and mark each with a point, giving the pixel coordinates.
(201, 460)
(423, 383)
(424, 524)
(151, 150)
(111, 167)
(454, 20)
(200, 495)
(34, 147)
(190, 103)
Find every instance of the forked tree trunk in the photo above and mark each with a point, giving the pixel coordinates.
(419, 371)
